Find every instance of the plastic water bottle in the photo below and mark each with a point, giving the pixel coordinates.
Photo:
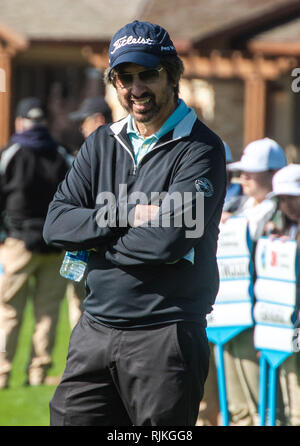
(74, 265)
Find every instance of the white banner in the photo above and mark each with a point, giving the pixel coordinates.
(231, 314)
(275, 259)
(233, 238)
(233, 306)
(233, 268)
(269, 337)
(265, 312)
(229, 293)
(275, 291)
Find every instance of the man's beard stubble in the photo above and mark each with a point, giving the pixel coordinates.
(148, 115)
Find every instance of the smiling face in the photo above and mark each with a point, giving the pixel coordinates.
(91, 123)
(290, 206)
(150, 101)
(257, 184)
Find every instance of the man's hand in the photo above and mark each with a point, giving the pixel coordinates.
(144, 213)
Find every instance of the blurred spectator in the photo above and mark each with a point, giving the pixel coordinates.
(292, 154)
(259, 162)
(92, 113)
(209, 411)
(234, 192)
(31, 166)
(286, 186)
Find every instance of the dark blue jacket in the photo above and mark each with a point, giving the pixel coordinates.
(31, 167)
(138, 276)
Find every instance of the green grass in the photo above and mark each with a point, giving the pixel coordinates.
(29, 406)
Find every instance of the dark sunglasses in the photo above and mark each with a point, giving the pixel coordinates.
(125, 80)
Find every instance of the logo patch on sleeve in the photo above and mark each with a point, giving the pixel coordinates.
(204, 185)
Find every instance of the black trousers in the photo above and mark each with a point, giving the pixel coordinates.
(141, 377)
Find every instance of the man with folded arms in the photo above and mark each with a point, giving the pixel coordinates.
(139, 354)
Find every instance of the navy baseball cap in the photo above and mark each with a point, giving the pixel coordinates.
(142, 43)
(89, 107)
(30, 108)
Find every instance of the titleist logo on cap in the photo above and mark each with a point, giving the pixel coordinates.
(141, 43)
(130, 40)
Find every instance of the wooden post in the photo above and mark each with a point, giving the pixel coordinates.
(254, 108)
(5, 95)
(10, 44)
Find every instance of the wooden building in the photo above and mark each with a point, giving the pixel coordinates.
(239, 58)
(10, 44)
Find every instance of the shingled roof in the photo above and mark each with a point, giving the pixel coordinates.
(198, 19)
(88, 20)
(288, 32)
(67, 19)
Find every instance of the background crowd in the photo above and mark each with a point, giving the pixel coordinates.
(269, 198)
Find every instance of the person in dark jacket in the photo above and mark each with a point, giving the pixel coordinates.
(91, 114)
(145, 197)
(31, 167)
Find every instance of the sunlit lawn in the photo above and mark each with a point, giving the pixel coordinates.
(22, 405)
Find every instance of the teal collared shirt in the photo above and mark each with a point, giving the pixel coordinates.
(142, 145)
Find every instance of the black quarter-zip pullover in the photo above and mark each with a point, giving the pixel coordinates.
(139, 276)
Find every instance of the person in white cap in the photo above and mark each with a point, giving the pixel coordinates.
(209, 411)
(259, 162)
(286, 187)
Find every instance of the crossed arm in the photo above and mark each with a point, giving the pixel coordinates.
(72, 224)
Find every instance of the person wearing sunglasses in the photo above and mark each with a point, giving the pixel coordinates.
(136, 196)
